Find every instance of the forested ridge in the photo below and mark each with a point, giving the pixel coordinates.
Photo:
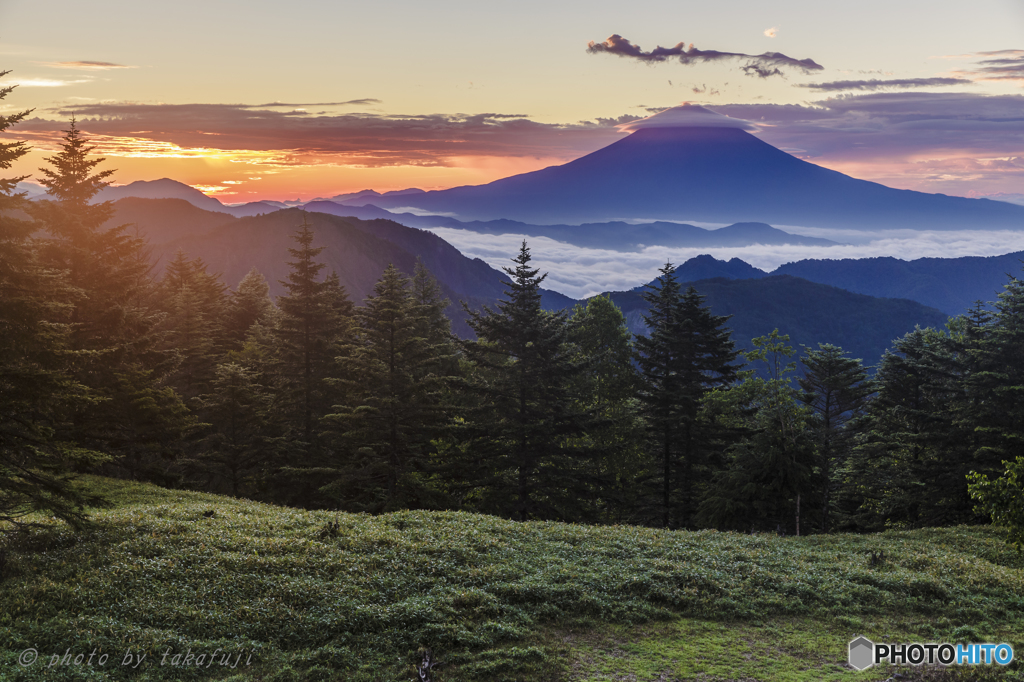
(319, 401)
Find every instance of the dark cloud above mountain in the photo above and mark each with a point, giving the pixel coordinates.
(366, 101)
(886, 84)
(283, 134)
(884, 121)
(941, 142)
(1000, 65)
(760, 65)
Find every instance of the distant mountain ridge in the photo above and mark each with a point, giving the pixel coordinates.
(359, 250)
(705, 266)
(612, 235)
(951, 285)
(165, 188)
(616, 235)
(810, 313)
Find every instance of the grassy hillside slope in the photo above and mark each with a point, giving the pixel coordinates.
(167, 571)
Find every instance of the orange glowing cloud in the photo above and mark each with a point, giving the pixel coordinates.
(953, 142)
(271, 136)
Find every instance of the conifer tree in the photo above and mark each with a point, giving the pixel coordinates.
(994, 401)
(240, 444)
(915, 451)
(520, 436)
(767, 473)
(37, 391)
(196, 307)
(314, 315)
(836, 388)
(394, 405)
(686, 353)
(432, 323)
(997, 384)
(99, 261)
(250, 303)
(113, 324)
(607, 388)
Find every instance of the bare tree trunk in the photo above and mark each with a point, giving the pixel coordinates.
(667, 484)
(798, 514)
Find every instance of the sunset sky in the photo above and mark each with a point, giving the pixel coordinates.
(305, 99)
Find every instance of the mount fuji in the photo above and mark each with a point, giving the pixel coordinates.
(691, 164)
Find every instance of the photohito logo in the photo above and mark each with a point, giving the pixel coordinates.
(864, 653)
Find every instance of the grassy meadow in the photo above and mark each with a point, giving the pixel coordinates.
(286, 594)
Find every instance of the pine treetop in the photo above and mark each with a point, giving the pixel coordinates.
(72, 180)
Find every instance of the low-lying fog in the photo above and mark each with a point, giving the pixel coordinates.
(580, 272)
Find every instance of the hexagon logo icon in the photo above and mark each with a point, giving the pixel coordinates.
(862, 652)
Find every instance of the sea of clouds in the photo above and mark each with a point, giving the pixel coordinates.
(580, 272)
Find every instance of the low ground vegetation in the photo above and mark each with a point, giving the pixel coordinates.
(314, 595)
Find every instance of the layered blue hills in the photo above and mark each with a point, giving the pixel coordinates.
(952, 285)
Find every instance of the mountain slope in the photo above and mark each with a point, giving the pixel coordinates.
(165, 220)
(165, 188)
(357, 250)
(709, 267)
(949, 284)
(810, 313)
(706, 174)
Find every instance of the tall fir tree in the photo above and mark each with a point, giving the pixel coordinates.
(394, 403)
(249, 304)
(37, 390)
(520, 435)
(686, 353)
(914, 448)
(837, 389)
(114, 322)
(239, 444)
(608, 388)
(431, 322)
(315, 314)
(98, 260)
(994, 402)
(767, 474)
(996, 387)
(196, 306)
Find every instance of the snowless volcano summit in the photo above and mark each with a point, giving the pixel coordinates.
(691, 164)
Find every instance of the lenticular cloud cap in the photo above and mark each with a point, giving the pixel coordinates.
(688, 116)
